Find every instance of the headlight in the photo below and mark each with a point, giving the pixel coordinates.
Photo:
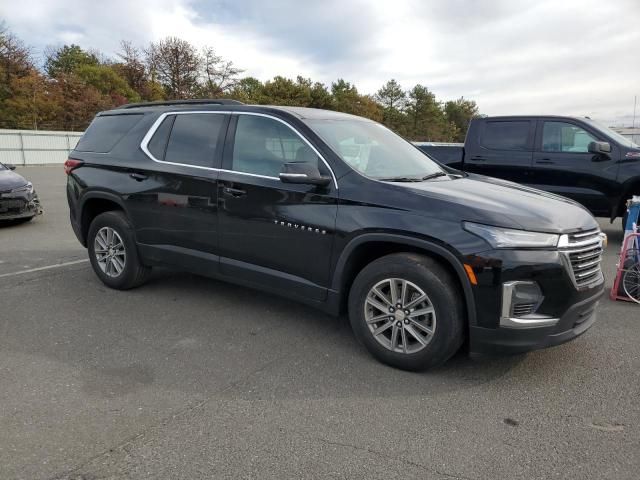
(499, 237)
(25, 188)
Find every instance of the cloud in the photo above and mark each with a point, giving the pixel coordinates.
(574, 57)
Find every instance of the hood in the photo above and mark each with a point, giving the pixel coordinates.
(10, 180)
(506, 204)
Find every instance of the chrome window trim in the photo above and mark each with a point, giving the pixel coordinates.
(152, 130)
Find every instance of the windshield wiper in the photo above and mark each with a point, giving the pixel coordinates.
(400, 179)
(434, 175)
(413, 179)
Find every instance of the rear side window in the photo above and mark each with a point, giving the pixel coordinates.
(194, 138)
(158, 144)
(506, 135)
(105, 131)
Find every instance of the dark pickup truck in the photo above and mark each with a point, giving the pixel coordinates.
(570, 156)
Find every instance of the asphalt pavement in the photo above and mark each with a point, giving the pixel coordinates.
(189, 378)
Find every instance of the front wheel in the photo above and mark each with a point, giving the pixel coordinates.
(408, 311)
(113, 252)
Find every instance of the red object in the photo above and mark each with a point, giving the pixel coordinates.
(71, 165)
(629, 240)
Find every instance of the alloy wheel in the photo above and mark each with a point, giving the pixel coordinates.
(110, 253)
(400, 315)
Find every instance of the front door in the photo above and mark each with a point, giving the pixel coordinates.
(562, 164)
(272, 233)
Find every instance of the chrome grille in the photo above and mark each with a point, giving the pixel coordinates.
(583, 253)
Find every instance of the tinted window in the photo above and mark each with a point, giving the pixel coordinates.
(105, 131)
(506, 135)
(158, 144)
(262, 145)
(565, 137)
(194, 138)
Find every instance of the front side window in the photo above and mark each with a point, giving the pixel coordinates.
(374, 150)
(565, 137)
(506, 135)
(263, 144)
(193, 139)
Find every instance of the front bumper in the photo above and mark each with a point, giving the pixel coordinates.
(577, 320)
(564, 312)
(14, 206)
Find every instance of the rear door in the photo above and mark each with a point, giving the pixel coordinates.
(175, 204)
(504, 149)
(562, 164)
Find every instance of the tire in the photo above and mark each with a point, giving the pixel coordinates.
(446, 322)
(125, 271)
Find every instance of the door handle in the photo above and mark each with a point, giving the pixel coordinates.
(545, 161)
(138, 176)
(234, 192)
(478, 159)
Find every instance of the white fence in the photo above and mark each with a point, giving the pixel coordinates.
(36, 147)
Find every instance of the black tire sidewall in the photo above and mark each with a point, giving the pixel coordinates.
(118, 222)
(443, 294)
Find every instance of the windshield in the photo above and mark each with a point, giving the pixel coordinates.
(621, 139)
(374, 150)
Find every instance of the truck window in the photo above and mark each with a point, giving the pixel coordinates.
(506, 135)
(565, 137)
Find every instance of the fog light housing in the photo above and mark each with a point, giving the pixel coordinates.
(520, 302)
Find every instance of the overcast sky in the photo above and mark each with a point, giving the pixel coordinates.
(512, 57)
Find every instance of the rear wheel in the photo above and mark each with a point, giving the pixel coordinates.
(113, 253)
(407, 311)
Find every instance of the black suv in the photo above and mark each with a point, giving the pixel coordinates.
(338, 212)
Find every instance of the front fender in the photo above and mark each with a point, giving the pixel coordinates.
(427, 246)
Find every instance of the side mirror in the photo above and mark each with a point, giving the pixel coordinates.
(10, 167)
(304, 173)
(599, 147)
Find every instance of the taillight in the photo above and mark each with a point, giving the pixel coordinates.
(71, 164)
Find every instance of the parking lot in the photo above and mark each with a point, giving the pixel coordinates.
(191, 378)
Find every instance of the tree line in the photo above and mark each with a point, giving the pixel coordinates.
(74, 83)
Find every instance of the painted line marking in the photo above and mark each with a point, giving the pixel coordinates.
(48, 267)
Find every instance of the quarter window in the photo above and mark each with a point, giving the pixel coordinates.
(193, 139)
(263, 144)
(106, 131)
(565, 137)
(506, 135)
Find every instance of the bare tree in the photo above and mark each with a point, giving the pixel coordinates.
(175, 64)
(220, 75)
(132, 67)
(15, 57)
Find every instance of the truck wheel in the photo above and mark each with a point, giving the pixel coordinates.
(113, 253)
(407, 311)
